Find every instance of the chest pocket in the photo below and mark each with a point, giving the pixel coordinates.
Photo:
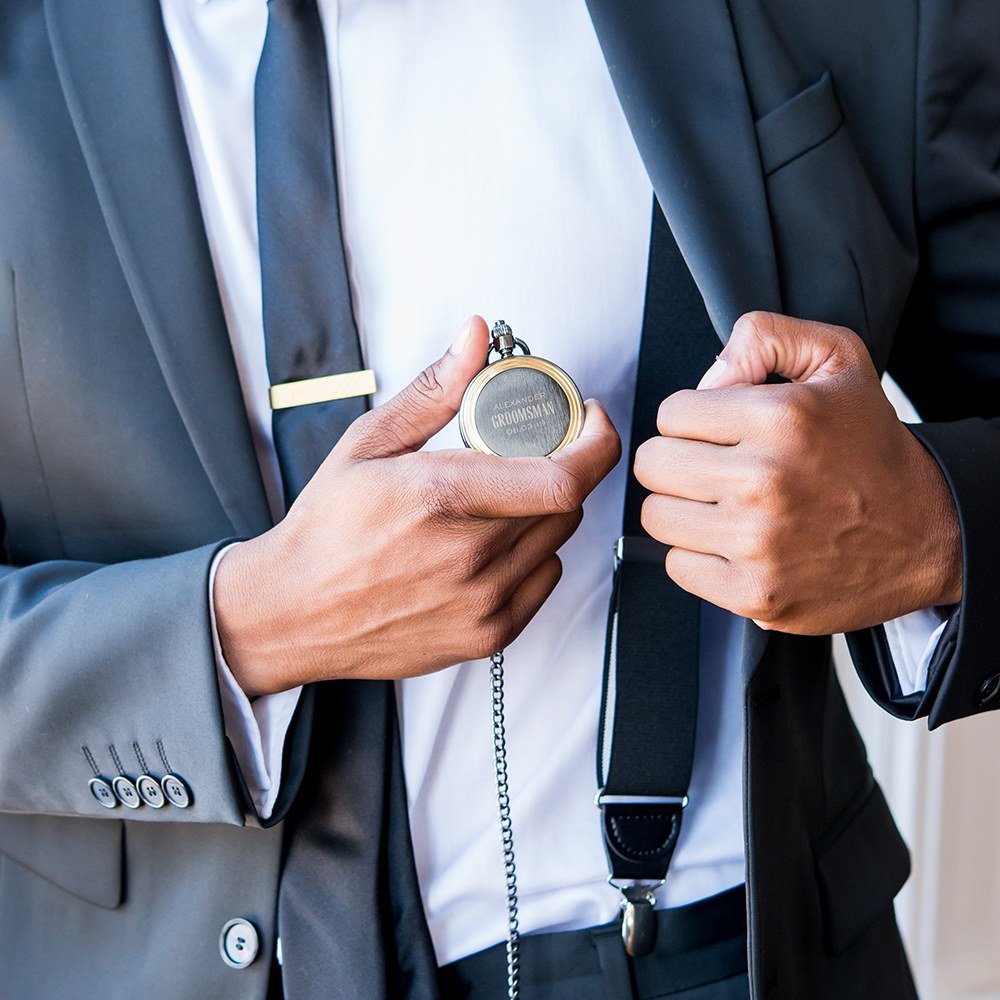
(83, 856)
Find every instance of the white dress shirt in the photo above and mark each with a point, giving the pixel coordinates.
(485, 166)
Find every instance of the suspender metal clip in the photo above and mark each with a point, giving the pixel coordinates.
(638, 918)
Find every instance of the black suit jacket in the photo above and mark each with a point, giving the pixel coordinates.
(835, 162)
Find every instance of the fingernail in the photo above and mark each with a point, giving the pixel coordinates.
(462, 340)
(713, 376)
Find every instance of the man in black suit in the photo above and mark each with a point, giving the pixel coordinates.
(830, 178)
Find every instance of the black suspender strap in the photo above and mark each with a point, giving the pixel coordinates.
(650, 698)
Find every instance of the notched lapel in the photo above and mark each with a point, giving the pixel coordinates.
(677, 71)
(114, 68)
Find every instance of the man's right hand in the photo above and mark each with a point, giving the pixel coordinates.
(395, 562)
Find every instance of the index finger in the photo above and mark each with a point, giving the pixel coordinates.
(719, 416)
(532, 487)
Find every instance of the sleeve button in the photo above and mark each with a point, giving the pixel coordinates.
(149, 789)
(176, 791)
(989, 691)
(128, 794)
(101, 791)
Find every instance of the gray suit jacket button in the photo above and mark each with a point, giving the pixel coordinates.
(128, 794)
(149, 789)
(176, 791)
(102, 791)
(238, 943)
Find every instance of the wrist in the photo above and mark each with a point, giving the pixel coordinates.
(244, 599)
(942, 532)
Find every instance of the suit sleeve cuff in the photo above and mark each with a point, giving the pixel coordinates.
(963, 678)
(256, 730)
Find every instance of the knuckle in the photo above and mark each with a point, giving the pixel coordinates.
(851, 344)
(797, 415)
(649, 515)
(563, 492)
(753, 326)
(485, 595)
(428, 385)
(762, 551)
(670, 564)
(468, 557)
(672, 408)
(436, 496)
(772, 408)
(646, 460)
(764, 599)
(794, 413)
(765, 483)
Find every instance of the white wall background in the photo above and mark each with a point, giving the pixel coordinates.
(944, 789)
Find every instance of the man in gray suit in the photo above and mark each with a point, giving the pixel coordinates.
(200, 749)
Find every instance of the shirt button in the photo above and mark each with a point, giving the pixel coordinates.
(101, 791)
(990, 690)
(128, 794)
(149, 789)
(238, 943)
(176, 791)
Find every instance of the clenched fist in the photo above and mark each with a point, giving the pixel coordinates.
(806, 506)
(395, 562)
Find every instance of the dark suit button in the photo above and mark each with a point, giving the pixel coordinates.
(128, 794)
(176, 791)
(238, 943)
(101, 791)
(989, 692)
(149, 789)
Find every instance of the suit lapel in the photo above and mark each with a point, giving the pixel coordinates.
(114, 67)
(676, 68)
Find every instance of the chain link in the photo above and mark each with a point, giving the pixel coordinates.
(506, 830)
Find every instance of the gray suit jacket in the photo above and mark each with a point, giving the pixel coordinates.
(832, 161)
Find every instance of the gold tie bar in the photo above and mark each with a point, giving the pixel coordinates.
(322, 389)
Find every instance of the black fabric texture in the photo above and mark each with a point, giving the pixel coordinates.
(699, 947)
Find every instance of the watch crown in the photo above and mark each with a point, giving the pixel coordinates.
(502, 339)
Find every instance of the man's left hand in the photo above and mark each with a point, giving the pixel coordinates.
(806, 506)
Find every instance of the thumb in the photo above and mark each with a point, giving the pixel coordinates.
(764, 343)
(415, 414)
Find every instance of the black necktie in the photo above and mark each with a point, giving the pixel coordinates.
(309, 327)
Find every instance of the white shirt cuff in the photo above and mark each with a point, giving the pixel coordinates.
(913, 639)
(255, 729)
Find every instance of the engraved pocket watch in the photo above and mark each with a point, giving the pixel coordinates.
(519, 405)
